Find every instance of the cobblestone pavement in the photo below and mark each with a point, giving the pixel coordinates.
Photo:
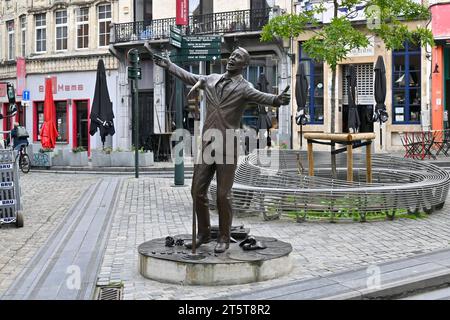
(150, 208)
(45, 198)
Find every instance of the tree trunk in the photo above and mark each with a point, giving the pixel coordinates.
(332, 116)
(333, 103)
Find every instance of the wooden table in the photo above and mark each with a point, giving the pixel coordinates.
(346, 138)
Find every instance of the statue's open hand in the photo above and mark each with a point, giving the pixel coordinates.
(283, 98)
(163, 62)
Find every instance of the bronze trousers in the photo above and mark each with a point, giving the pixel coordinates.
(203, 174)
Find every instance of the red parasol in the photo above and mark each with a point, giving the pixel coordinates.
(48, 131)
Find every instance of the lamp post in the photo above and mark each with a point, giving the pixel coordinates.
(134, 73)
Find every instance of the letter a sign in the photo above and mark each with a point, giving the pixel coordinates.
(182, 18)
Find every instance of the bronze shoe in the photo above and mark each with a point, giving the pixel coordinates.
(221, 247)
(201, 239)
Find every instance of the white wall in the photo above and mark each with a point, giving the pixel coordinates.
(234, 5)
(164, 9)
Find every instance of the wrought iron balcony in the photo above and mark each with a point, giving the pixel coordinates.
(214, 23)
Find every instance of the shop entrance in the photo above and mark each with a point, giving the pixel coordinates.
(145, 101)
(81, 136)
(364, 96)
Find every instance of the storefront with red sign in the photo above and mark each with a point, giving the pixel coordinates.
(73, 93)
(440, 76)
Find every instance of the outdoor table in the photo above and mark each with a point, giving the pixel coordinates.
(346, 138)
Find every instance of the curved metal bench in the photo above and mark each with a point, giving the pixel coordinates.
(271, 182)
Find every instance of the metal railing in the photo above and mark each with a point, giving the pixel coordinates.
(213, 23)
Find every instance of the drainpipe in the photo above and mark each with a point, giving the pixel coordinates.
(114, 52)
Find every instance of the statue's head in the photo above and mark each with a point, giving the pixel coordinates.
(238, 59)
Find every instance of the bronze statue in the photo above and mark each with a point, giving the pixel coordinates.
(226, 97)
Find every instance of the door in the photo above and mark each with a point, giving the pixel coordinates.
(364, 96)
(259, 13)
(145, 119)
(81, 137)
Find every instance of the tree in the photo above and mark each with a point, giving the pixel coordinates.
(333, 42)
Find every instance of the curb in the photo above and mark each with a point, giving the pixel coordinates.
(396, 280)
(400, 289)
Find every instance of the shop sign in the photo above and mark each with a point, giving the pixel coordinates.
(2, 89)
(21, 75)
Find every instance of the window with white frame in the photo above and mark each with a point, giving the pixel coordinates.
(23, 33)
(11, 46)
(82, 16)
(104, 20)
(61, 30)
(41, 32)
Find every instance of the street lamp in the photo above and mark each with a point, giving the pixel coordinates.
(134, 73)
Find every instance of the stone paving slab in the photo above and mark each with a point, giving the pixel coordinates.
(395, 279)
(46, 198)
(66, 266)
(150, 208)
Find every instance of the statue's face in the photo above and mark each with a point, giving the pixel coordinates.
(237, 60)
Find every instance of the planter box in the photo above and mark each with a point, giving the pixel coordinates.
(122, 159)
(57, 158)
(146, 159)
(78, 159)
(100, 159)
(42, 159)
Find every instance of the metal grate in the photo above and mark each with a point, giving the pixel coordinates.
(110, 293)
(364, 84)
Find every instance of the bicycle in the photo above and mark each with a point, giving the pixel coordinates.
(24, 159)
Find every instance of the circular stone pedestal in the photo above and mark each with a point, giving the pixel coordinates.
(234, 266)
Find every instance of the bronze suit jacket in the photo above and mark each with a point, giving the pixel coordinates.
(224, 113)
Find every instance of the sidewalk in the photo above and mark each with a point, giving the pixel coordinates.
(150, 207)
(169, 167)
(390, 280)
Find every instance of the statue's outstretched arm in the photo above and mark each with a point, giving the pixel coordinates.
(185, 76)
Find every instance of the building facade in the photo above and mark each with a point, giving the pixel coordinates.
(408, 88)
(63, 40)
(239, 23)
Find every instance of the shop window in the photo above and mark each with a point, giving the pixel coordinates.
(61, 120)
(7, 122)
(406, 85)
(39, 120)
(314, 74)
(21, 115)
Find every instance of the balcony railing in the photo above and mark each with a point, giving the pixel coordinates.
(214, 23)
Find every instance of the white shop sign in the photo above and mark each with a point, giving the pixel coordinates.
(369, 51)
